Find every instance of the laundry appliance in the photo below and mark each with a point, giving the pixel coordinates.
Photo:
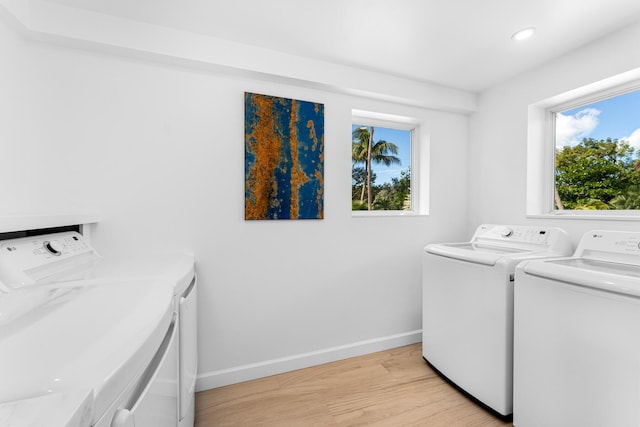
(467, 331)
(89, 341)
(576, 346)
(179, 269)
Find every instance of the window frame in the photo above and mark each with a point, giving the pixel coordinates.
(541, 145)
(419, 164)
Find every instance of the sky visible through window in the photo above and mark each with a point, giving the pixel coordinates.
(615, 118)
(402, 138)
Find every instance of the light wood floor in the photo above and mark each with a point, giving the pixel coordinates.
(391, 388)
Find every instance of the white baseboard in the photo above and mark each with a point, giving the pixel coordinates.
(213, 379)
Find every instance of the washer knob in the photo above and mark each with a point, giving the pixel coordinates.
(507, 233)
(53, 247)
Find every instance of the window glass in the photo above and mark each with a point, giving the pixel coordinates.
(381, 169)
(597, 162)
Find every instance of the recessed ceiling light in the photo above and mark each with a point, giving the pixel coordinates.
(523, 34)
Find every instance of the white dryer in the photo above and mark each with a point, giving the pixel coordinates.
(86, 341)
(180, 270)
(467, 330)
(576, 347)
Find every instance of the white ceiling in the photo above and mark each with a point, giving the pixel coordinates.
(463, 44)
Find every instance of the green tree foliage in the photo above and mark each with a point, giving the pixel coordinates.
(364, 150)
(401, 195)
(630, 199)
(358, 182)
(597, 174)
(395, 195)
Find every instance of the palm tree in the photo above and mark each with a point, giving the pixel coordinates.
(364, 150)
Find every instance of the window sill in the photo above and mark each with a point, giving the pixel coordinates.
(598, 216)
(382, 214)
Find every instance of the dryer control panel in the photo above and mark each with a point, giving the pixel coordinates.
(620, 246)
(50, 257)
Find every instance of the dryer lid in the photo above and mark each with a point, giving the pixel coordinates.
(82, 334)
(599, 266)
(606, 276)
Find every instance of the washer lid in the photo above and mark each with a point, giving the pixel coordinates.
(472, 252)
(84, 334)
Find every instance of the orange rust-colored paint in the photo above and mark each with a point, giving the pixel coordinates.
(295, 181)
(265, 146)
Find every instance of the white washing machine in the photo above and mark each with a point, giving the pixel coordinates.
(467, 329)
(91, 342)
(577, 329)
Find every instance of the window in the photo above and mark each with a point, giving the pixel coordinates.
(381, 168)
(583, 152)
(398, 187)
(597, 162)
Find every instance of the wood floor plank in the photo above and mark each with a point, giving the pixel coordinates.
(390, 388)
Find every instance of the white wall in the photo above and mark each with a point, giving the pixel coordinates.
(498, 131)
(157, 150)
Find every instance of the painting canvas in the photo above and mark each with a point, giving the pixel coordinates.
(284, 158)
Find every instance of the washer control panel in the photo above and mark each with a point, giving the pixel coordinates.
(30, 260)
(525, 234)
(525, 238)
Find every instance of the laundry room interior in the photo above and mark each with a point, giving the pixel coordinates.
(133, 115)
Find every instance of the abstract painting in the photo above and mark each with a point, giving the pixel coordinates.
(284, 158)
